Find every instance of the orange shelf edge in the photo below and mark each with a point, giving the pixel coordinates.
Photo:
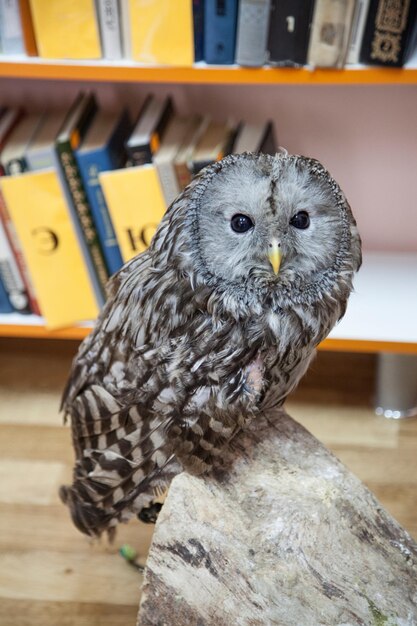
(105, 72)
(78, 333)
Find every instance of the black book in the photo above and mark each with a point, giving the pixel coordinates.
(289, 31)
(149, 129)
(389, 33)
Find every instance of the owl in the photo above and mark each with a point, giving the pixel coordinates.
(215, 323)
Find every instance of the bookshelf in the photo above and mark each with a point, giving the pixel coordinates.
(200, 73)
(357, 332)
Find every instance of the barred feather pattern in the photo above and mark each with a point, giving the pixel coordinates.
(198, 336)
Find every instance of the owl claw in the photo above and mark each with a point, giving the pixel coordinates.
(149, 514)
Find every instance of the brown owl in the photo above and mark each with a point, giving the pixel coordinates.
(249, 270)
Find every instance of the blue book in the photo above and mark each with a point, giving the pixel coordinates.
(220, 20)
(5, 306)
(103, 150)
(198, 19)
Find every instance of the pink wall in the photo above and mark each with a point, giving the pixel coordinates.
(365, 135)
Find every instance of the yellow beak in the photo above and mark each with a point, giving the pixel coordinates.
(274, 255)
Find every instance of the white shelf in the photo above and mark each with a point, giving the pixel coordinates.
(381, 314)
(383, 307)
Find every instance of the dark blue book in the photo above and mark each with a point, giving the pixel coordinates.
(220, 20)
(5, 306)
(198, 19)
(103, 150)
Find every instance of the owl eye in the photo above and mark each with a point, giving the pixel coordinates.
(300, 220)
(241, 223)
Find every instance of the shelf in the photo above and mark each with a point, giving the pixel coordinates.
(380, 317)
(34, 68)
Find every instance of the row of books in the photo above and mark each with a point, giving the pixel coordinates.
(82, 191)
(317, 33)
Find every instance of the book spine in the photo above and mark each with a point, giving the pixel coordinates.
(358, 29)
(82, 212)
(387, 31)
(5, 306)
(90, 167)
(220, 18)
(269, 142)
(252, 32)
(28, 32)
(10, 276)
(109, 22)
(10, 28)
(332, 21)
(19, 258)
(198, 26)
(289, 32)
(169, 182)
(183, 173)
(126, 37)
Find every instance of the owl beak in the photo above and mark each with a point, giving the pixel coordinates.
(274, 255)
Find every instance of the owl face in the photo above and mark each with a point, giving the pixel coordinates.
(268, 219)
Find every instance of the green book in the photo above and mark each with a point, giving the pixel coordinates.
(67, 141)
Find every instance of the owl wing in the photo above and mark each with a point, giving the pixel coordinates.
(156, 384)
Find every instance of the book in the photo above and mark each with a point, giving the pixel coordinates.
(136, 205)
(13, 162)
(360, 15)
(10, 271)
(164, 160)
(255, 138)
(214, 144)
(125, 28)
(390, 28)
(68, 140)
(330, 32)
(66, 29)
(198, 27)
(110, 31)
(51, 247)
(28, 32)
(102, 150)
(5, 306)
(289, 32)
(162, 32)
(13, 155)
(220, 31)
(147, 133)
(10, 275)
(182, 160)
(11, 35)
(252, 32)
(40, 153)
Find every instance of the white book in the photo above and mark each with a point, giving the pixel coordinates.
(164, 159)
(11, 35)
(358, 28)
(125, 28)
(330, 32)
(10, 275)
(109, 23)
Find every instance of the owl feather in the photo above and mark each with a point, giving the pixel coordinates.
(201, 333)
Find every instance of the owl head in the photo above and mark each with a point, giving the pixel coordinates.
(261, 226)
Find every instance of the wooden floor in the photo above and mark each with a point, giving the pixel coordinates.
(50, 575)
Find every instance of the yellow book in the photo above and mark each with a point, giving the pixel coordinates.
(136, 205)
(162, 32)
(40, 215)
(66, 29)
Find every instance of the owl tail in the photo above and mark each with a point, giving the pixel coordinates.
(87, 517)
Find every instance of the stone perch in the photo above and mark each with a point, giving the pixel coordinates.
(289, 536)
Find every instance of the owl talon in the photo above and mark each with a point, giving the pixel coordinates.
(149, 514)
